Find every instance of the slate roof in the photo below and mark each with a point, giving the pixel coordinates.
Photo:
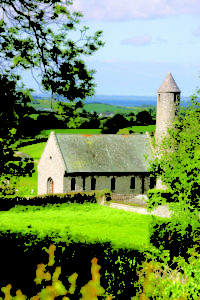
(104, 153)
(169, 85)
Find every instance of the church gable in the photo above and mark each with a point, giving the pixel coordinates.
(51, 168)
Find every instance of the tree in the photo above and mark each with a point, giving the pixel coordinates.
(144, 118)
(37, 35)
(12, 112)
(177, 163)
(112, 125)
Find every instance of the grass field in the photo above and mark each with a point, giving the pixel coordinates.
(102, 108)
(71, 131)
(27, 186)
(93, 221)
(137, 129)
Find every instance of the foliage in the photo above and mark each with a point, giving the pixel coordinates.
(89, 292)
(156, 280)
(35, 35)
(177, 163)
(112, 125)
(159, 281)
(12, 114)
(144, 118)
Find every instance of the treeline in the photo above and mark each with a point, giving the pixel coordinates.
(36, 121)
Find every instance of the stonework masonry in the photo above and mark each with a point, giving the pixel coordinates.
(51, 165)
(168, 100)
(122, 183)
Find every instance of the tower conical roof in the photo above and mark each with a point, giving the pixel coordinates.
(169, 85)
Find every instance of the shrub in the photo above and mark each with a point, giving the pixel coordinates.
(159, 281)
(89, 292)
(46, 200)
(157, 197)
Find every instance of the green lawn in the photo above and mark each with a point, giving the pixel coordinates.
(34, 150)
(92, 221)
(138, 129)
(27, 186)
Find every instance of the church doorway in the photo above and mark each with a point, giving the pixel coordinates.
(50, 186)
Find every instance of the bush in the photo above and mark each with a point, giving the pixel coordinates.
(157, 197)
(159, 281)
(89, 292)
(167, 236)
(47, 200)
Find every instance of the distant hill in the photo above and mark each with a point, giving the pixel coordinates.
(127, 101)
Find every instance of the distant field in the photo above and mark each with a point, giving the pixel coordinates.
(102, 108)
(71, 131)
(98, 107)
(138, 129)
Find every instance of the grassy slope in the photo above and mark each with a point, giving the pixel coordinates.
(27, 186)
(98, 107)
(93, 221)
(102, 108)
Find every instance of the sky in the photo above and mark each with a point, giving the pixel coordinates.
(144, 40)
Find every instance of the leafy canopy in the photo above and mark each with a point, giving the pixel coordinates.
(37, 35)
(178, 165)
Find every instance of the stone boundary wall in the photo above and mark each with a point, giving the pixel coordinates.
(122, 197)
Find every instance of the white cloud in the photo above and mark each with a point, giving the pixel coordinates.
(116, 10)
(140, 40)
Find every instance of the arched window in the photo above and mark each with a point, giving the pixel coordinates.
(50, 186)
(113, 184)
(93, 184)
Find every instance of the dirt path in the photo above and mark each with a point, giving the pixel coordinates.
(161, 211)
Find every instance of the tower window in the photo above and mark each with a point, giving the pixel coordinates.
(93, 184)
(132, 183)
(73, 184)
(113, 184)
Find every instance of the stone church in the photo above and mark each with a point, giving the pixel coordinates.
(116, 162)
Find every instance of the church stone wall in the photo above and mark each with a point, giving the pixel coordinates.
(51, 165)
(122, 183)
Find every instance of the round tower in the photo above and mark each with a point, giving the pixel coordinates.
(168, 100)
